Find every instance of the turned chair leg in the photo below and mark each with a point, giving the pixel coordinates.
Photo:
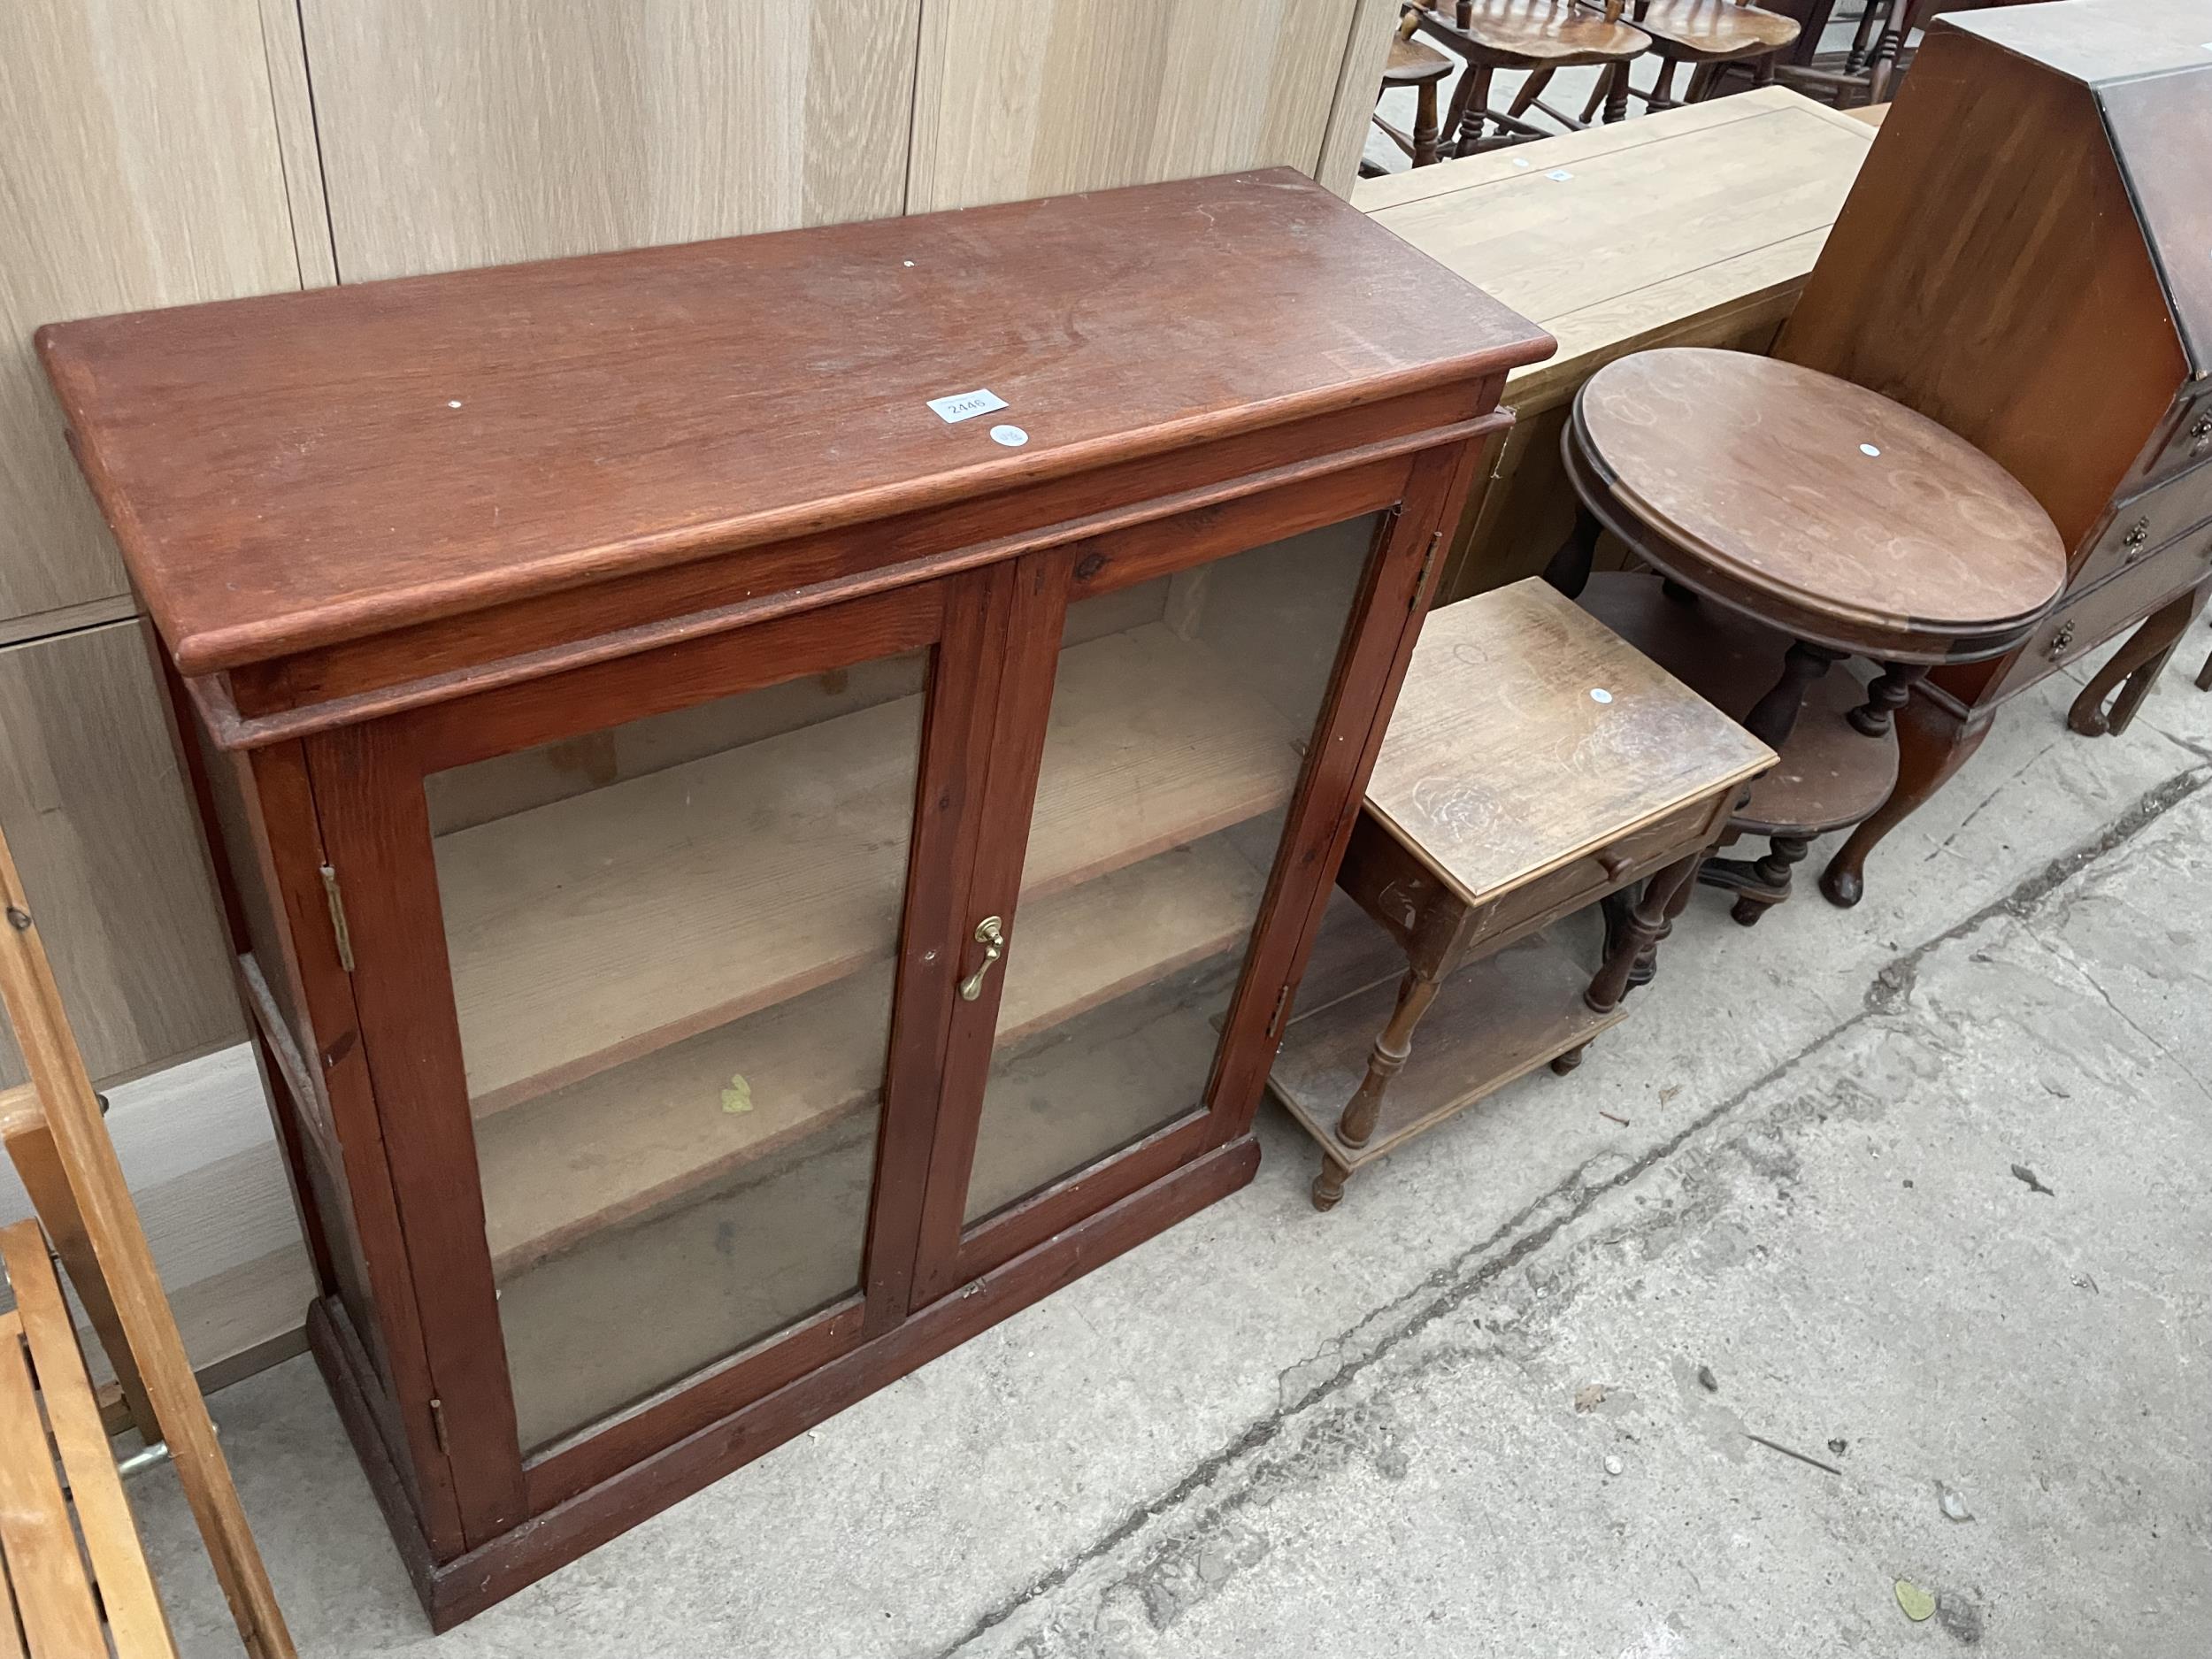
(1425, 150)
(1388, 1056)
(1477, 111)
(1931, 744)
(1532, 89)
(1562, 1064)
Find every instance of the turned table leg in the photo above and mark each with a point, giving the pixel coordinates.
(1569, 570)
(1640, 933)
(1762, 885)
(1388, 1056)
(1888, 694)
(1328, 1186)
(1932, 743)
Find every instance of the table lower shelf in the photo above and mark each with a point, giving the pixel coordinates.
(1494, 1020)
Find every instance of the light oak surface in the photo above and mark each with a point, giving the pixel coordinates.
(1019, 98)
(1702, 219)
(1499, 695)
(1820, 492)
(456, 135)
(1351, 111)
(138, 166)
(91, 792)
(593, 929)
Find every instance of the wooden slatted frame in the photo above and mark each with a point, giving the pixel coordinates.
(122, 1269)
(111, 1548)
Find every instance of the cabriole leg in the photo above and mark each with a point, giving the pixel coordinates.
(1931, 744)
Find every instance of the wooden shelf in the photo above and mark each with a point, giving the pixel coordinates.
(1494, 1020)
(626, 1140)
(594, 930)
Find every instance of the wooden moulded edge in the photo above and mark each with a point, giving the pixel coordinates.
(235, 725)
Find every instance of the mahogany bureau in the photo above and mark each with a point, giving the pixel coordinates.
(2027, 257)
(773, 794)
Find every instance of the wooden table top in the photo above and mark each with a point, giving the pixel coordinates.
(1503, 763)
(1662, 223)
(1781, 480)
(287, 471)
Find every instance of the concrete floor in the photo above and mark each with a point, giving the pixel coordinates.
(1464, 1415)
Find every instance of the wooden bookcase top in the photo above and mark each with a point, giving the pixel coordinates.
(303, 468)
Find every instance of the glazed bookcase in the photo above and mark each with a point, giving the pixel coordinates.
(742, 883)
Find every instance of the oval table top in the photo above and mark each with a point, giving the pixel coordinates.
(1764, 479)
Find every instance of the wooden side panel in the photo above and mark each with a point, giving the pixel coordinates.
(138, 166)
(1988, 271)
(1019, 98)
(1358, 84)
(458, 135)
(91, 796)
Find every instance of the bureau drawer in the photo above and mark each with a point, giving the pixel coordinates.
(1581, 880)
(2141, 525)
(2183, 439)
(2093, 615)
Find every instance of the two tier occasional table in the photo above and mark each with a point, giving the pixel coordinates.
(1796, 520)
(1535, 765)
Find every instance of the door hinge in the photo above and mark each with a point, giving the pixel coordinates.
(1428, 564)
(437, 1425)
(1275, 1020)
(338, 919)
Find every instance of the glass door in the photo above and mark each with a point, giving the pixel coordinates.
(675, 950)
(1179, 716)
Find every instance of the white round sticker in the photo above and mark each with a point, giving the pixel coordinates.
(1012, 437)
(1867, 448)
(1599, 694)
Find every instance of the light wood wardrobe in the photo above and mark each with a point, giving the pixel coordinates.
(156, 152)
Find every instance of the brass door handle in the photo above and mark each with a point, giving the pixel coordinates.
(991, 934)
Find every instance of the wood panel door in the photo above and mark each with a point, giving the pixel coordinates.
(654, 962)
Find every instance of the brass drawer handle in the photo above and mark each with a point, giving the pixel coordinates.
(991, 936)
(2061, 640)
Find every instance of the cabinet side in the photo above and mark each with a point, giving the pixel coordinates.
(1988, 270)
